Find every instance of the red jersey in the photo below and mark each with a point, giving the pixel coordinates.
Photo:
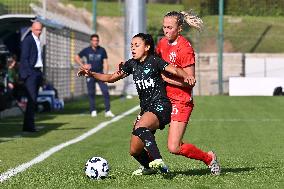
(179, 54)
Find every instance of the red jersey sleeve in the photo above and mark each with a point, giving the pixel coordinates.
(186, 55)
(158, 49)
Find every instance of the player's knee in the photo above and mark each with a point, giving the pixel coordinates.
(134, 151)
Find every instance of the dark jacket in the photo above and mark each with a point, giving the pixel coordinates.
(28, 56)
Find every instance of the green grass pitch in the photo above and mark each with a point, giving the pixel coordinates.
(247, 133)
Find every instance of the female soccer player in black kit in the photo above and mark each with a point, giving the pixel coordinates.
(155, 106)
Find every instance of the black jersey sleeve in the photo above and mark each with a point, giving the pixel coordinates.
(161, 64)
(127, 67)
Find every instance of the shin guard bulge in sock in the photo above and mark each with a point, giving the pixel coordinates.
(149, 141)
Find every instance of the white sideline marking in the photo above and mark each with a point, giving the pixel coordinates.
(12, 172)
(235, 120)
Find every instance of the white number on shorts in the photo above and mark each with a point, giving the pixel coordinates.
(174, 110)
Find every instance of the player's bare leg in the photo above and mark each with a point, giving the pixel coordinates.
(142, 134)
(178, 147)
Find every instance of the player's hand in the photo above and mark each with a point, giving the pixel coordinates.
(190, 80)
(118, 66)
(87, 66)
(81, 73)
(84, 72)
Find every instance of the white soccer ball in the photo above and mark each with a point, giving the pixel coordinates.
(97, 168)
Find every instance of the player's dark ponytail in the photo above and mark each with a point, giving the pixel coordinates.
(148, 39)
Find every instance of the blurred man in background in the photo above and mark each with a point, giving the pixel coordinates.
(95, 58)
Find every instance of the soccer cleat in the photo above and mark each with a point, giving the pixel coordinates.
(214, 165)
(109, 114)
(144, 171)
(94, 113)
(159, 164)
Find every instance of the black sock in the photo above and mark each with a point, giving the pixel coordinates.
(149, 141)
(143, 159)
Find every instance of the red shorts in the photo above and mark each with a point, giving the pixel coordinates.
(181, 111)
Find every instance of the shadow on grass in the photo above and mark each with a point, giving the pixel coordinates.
(79, 106)
(202, 172)
(11, 127)
(13, 130)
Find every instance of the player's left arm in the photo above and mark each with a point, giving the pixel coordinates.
(105, 65)
(190, 70)
(186, 58)
(186, 75)
(105, 61)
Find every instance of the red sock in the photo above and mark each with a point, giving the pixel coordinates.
(191, 151)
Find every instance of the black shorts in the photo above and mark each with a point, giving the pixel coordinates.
(162, 110)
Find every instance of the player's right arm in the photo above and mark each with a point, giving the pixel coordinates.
(110, 78)
(79, 61)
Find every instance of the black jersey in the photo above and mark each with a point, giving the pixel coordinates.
(148, 80)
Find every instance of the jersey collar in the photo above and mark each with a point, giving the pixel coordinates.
(175, 42)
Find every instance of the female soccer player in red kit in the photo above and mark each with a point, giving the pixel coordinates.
(177, 50)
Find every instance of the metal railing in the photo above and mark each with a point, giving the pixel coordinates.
(16, 6)
(61, 47)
